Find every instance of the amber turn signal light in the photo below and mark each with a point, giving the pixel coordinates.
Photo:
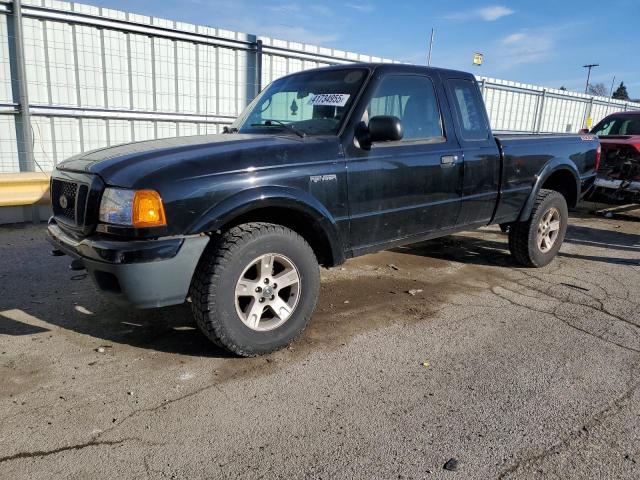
(148, 210)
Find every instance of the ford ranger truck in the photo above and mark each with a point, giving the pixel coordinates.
(322, 166)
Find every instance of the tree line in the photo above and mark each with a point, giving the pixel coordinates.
(600, 90)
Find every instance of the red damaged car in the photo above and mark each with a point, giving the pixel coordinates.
(619, 171)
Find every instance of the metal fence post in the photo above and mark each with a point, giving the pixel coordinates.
(253, 71)
(258, 80)
(540, 111)
(26, 158)
(587, 113)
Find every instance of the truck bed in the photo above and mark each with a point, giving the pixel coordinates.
(524, 157)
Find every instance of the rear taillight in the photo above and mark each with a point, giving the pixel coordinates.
(598, 156)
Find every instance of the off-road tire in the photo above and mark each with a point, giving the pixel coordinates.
(213, 287)
(523, 235)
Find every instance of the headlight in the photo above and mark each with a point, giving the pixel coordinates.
(134, 208)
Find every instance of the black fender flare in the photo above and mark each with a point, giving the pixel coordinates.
(551, 167)
(272, 196)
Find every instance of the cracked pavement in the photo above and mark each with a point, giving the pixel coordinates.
(531, 373)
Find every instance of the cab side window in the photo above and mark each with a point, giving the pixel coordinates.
(413, 100)
(469, 109)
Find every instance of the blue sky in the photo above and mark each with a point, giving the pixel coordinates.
(545, 42)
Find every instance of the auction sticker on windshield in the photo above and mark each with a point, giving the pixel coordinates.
(329, 100)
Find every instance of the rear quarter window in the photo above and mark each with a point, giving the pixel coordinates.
(469, 108)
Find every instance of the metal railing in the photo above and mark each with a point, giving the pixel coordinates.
(74, 77)
(524, 108)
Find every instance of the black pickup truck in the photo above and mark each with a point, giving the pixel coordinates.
(322, 166)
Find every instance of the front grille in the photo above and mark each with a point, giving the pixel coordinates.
(75, 199)
(63, 198)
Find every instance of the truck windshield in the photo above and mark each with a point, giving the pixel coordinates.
(618, 125)
(307, 103)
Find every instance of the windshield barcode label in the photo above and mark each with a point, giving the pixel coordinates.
(329, 100)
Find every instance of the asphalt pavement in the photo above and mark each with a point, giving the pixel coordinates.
(445, 352)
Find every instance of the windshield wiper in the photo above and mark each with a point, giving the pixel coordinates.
(288, 126)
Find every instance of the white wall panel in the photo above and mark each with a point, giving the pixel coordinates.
(86, 9)
(227, 86)
(115, 14)
(143, 130)
(141, 72)
(43, 143)
(278, 67)
(57, 4)
(187, 78)
(67, 137)
(61, 64)
(166, 129)
(245, 81)
(209, 129)
(207, 58)
(119, 132)
(165, 74)
(186, 129)
(6, 94)
(90, 69)
(8, 145)
(35, 64)
(94, 133)
(117, 69)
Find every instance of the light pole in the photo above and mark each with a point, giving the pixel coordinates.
(430, 46)
(589, 67)
(612, 83)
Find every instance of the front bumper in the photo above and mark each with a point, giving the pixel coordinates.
(138, 273)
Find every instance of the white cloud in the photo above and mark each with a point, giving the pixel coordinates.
(285, 8)
(514, 38)
(299, 34)
(489, 13)
(523, 47)
(361, 7)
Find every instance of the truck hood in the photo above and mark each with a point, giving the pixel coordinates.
(142, 164)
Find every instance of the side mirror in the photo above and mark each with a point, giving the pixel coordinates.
(583, 130)
(385, 128)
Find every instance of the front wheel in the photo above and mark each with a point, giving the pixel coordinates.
(536, 242)
(255, 289)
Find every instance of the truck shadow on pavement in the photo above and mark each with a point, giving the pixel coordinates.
(343, 312)
(34, 304)
(490, 252)
(77, 311)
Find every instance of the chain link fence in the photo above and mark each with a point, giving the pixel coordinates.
(92, 77)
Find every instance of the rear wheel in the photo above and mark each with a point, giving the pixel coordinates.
(255, 289)
(536, 242)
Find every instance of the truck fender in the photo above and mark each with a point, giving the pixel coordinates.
(271, 196)
(552, 166)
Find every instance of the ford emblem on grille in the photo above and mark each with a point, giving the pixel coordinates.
(64, 203)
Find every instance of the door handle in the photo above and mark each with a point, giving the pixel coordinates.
(449, 159)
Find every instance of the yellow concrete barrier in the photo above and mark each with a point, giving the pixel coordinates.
(24, 189)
